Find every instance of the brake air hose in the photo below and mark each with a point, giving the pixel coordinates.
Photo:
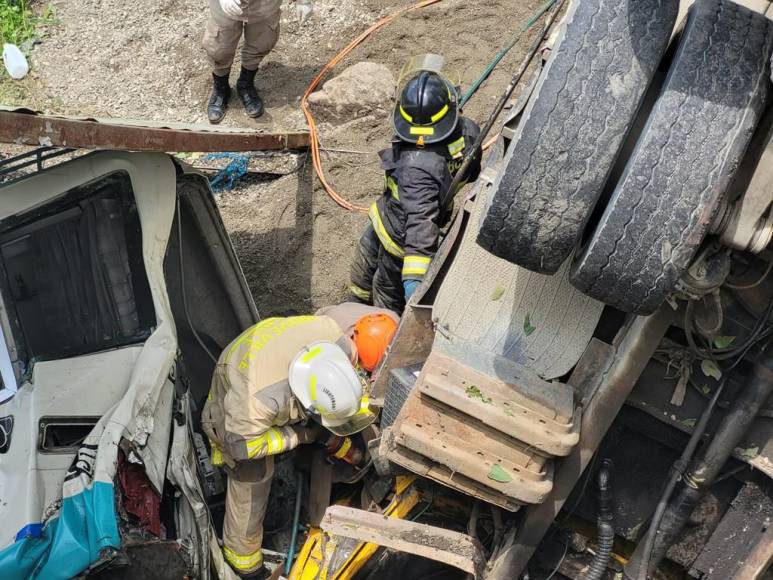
(606, 528)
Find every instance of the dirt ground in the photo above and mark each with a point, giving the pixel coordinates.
(142, 60)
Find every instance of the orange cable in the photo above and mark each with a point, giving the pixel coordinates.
(316, 159)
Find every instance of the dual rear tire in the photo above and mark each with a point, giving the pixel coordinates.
(573, 131)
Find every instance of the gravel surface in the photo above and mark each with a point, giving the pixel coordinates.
(142, 60)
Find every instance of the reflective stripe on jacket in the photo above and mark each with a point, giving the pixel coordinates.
(407, 218)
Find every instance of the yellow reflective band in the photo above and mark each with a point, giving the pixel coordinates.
(364, 406)
(313, 393)
(314, 352)
(360, 293)
(217, 455)
(381, 233)
(391, 185)
(418, 259)
(275, 443)
(416, 265)
(456, 147)
(433, 119)
(243, 563)
(422, 131)
(255, 446)
(345, 446)
(440, 114)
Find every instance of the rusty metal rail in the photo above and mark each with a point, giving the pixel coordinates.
(23, 127)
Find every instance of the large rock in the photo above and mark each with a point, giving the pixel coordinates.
(361, 89)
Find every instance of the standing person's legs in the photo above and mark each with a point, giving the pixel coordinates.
(364, 266)
(249, 484)
(388, 289)
(261, 33)
(221, 37)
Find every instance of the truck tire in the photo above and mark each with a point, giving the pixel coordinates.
(572, 129)
(691, 146)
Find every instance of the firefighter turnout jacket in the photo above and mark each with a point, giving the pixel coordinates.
(250, 409)
(408, 216)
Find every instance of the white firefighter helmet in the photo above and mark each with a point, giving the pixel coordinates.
(323, 379)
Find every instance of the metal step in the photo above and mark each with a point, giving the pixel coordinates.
(481, 435)
(502, 405)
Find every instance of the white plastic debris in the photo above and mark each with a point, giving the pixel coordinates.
(15, 62)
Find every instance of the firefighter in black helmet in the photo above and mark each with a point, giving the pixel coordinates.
(431, 140)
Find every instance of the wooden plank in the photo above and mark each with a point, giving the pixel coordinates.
(458, 550)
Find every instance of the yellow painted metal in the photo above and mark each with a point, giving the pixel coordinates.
(315, 557)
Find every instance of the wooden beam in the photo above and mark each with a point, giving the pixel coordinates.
(458, 550)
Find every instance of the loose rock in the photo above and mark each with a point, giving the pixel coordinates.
(359, 90)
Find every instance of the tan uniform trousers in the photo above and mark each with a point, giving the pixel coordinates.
(259, 24)
(249, 484)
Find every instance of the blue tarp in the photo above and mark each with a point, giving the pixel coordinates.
(69, 543)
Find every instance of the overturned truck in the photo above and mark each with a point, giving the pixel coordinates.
(581, 387)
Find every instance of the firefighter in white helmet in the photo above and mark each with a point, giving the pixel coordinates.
(276, 386)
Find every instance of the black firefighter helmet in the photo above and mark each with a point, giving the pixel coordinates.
(428, 109)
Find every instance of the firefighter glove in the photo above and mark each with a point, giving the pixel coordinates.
(410, 287)
(308, 433)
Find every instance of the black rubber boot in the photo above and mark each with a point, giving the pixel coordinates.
(245, 88)
(218, 100)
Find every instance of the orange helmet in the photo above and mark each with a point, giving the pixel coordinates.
(372, 335)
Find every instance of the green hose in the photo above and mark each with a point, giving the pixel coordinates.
(501, 54)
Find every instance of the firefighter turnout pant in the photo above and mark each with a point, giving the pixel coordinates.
(259, 26)
(249, 483)
(376, 275)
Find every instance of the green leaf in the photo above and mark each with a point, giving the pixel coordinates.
(527, 326)
(723, 341)
(749, 453)
(710, 369)
(705, 390)
(473, 392)
(689, 423)
(498, 474)
(498, 292)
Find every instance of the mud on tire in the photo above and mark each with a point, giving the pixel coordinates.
(689, 150)
(573, 128)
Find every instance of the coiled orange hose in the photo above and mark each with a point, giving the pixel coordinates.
(316, 159)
